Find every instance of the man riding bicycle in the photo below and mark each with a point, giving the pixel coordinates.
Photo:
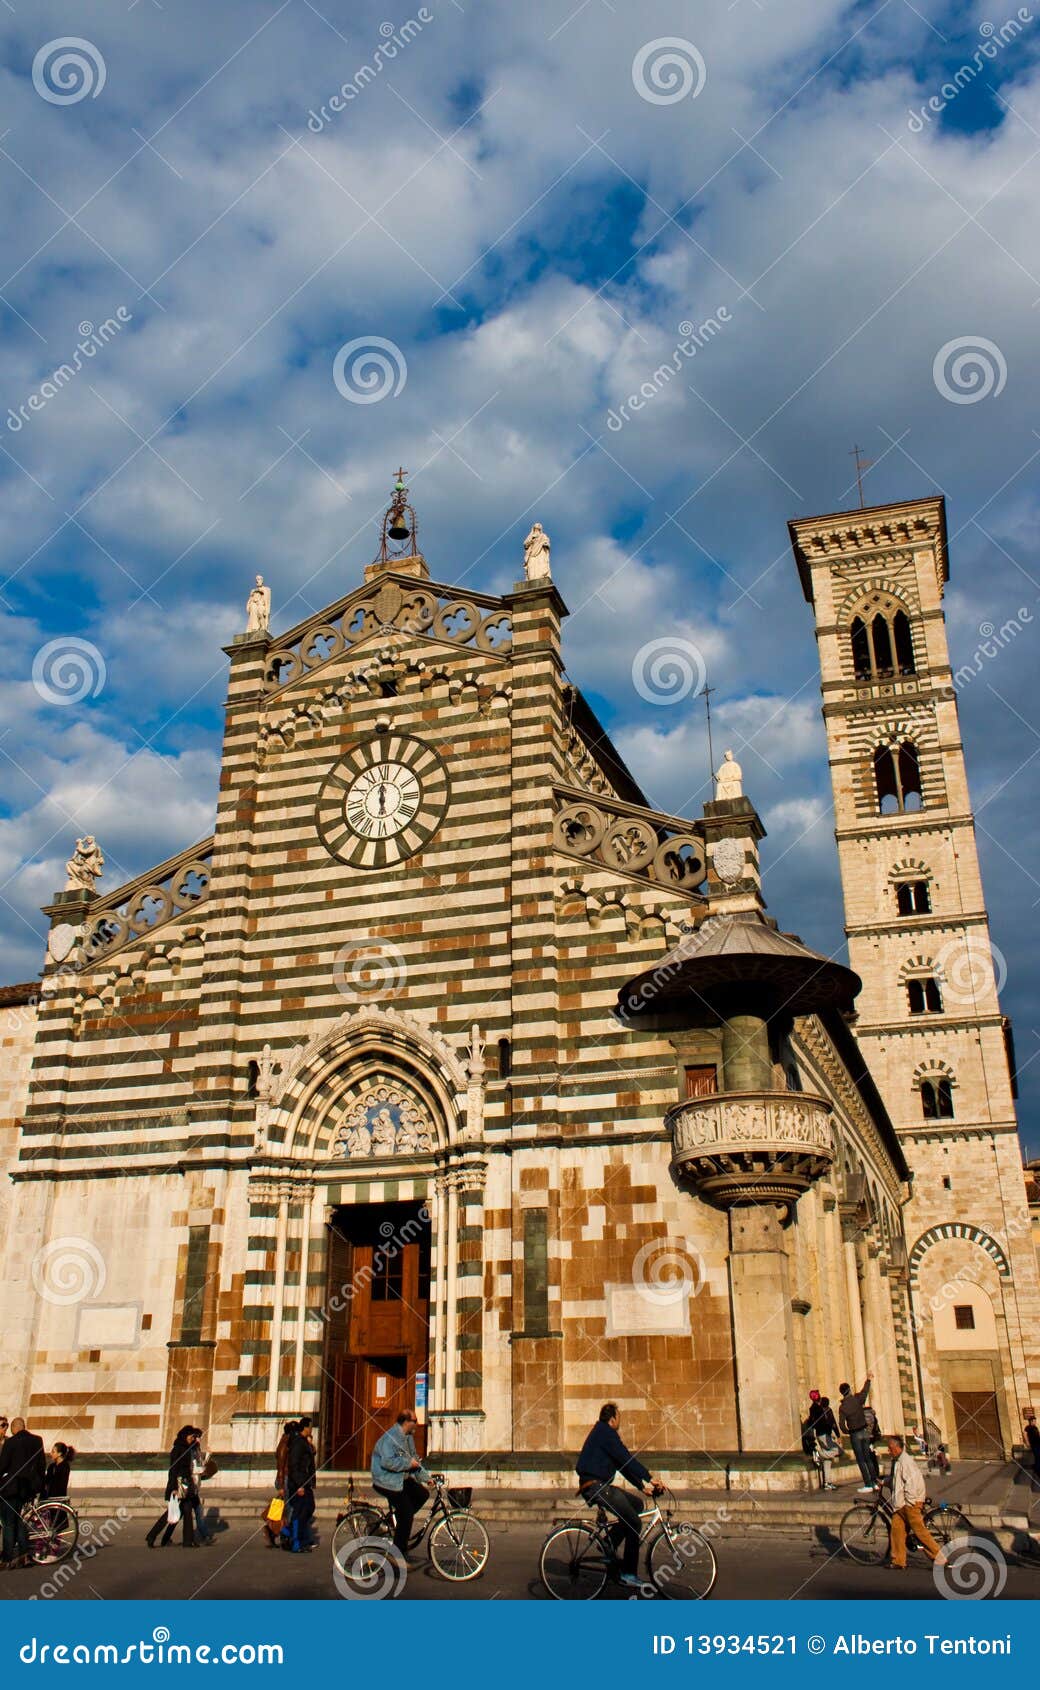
(603, 1455)
(397, 1475)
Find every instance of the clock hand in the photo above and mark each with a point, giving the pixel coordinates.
(382, 797)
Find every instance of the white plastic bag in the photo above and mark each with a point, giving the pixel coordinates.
(173, 1511)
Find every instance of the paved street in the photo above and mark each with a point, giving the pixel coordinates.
(239, 1565)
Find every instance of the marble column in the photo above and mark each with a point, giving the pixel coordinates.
(278, 1299)
(746, 1061)
(859, 1352)
(763, 1330)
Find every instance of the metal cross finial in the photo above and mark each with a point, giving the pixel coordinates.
(705, 693)
(862, 463)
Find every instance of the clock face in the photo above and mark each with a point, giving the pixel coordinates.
(382, 801)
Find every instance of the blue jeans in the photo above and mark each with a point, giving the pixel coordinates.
(863, 1450)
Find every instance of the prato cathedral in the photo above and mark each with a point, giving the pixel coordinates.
(447, 1071)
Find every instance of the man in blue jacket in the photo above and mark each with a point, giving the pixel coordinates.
(396, 1474)
(603, 1455)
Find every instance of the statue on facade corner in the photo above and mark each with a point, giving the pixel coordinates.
(536, 554)
(258, 608)
(84, 867)
(729, 778)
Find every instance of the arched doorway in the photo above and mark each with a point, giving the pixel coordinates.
(378, 1334)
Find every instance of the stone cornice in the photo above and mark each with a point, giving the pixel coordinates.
(820, 1050)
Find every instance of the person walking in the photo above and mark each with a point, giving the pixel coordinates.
(398, 1474)
(180, 1484)
(826, 1438)
(602, 1456)
(301, 1471)
(23, 1468)
(853, 1420)
(1032, 1436)
(200, 1467)
(908, 1493)
(281, 1464)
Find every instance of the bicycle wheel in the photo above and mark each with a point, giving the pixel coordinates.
(573, 1563)
(459, 1546)
(864, 1534)
(947, 1523)
(681, 1564)
(368, 1521)
(362, 1520)
(53, 1531)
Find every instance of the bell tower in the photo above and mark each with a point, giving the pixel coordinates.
(928, 1017)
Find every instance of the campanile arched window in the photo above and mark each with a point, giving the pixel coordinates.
(923, 996)
(882, 644)
(897, 777)
(937, 1100)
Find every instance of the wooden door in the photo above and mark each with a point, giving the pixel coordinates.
(378, 1340)
(978, 1426)
(342, 1413)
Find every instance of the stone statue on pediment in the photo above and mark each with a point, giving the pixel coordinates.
(84, 867)
(258, 608)
(729, 778)
(536, 554)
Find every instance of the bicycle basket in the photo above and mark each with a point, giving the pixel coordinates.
(461, 1497)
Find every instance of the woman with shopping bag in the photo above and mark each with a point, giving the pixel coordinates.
(181, 1494)
(274, 1518)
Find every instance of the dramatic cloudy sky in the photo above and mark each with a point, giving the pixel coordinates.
(505, 205)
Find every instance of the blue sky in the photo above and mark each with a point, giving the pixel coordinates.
(503, 203)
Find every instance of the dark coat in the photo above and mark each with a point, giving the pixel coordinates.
(56, 1482)
(822, 1420)
(851, 1410)
(23, 1468)
(603, 1454)
(180, 1472)
(301, 1467)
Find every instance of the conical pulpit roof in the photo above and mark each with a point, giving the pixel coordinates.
(741, 949)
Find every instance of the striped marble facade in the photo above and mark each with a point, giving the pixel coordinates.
(180, 1133)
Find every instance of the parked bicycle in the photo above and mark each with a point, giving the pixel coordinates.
(578, 1558)
(52, 1529)
(865, 1528)
(458, 1546)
